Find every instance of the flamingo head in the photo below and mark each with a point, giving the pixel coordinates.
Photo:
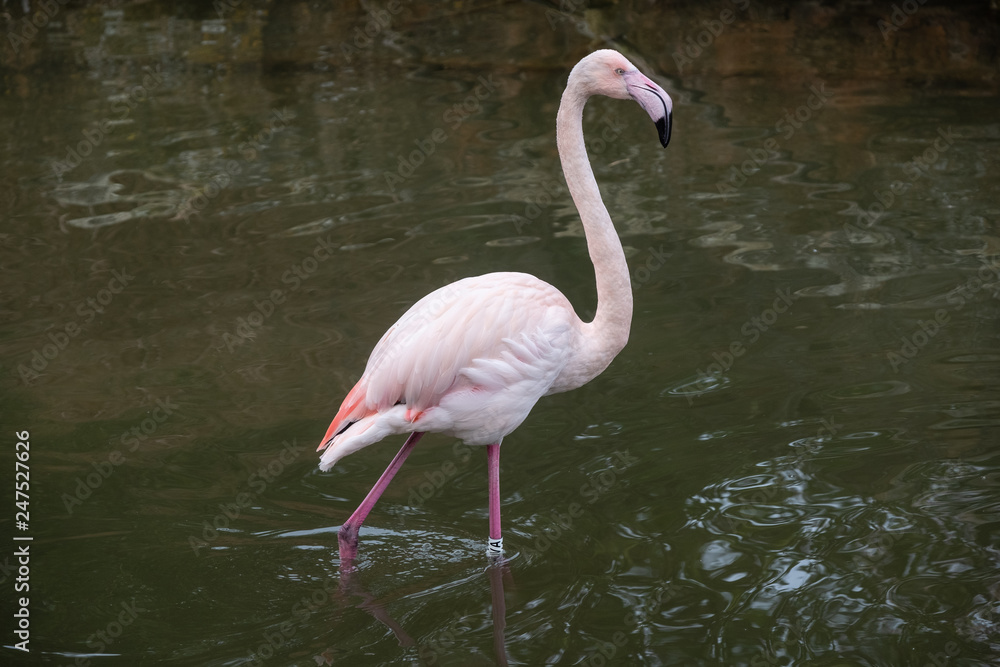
(609, 73)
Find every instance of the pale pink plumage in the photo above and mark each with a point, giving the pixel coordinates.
(472, 358)
(468, 360)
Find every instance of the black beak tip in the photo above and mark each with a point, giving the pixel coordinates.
(663, 127)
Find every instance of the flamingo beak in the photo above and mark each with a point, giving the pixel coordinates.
(654, 100)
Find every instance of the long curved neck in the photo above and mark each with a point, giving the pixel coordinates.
(608, 333)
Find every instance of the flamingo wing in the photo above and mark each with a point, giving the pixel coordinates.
(470, 359)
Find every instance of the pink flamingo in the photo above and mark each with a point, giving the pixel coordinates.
(471, 359)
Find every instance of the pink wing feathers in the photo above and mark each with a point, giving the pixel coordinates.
(496, 330)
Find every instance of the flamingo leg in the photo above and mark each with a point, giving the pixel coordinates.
(349, 531)
(495, 543)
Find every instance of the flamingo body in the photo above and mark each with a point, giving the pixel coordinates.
(472, 358)
(468, 360)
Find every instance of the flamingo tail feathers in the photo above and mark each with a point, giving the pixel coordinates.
(351, 410)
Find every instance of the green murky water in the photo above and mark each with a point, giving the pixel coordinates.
(211, 215)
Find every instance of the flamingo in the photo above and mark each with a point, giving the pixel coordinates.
(472, 358)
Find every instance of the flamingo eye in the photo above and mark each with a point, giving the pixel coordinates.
(619, 70)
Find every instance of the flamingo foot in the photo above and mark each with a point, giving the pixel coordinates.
(348, 547)
(348, 533)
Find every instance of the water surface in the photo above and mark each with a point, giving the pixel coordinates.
(211, 217)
